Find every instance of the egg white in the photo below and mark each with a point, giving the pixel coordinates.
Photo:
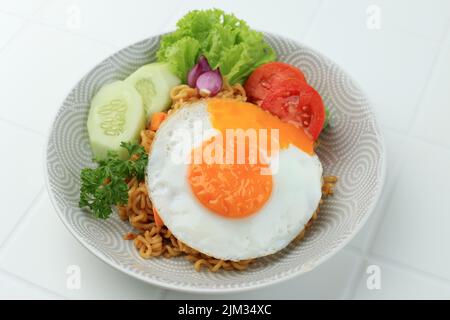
(295, 196)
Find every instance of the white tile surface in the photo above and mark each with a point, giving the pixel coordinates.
(396, 283)
(117, 22)
(9, 26)
(434, 114)
(13, 288)
(38, 69)
(382, 60)
(414, 230)
(21, 174)
(41, 250)
(328, 281)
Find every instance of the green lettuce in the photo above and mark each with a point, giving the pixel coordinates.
(226, 41)
(182, 55)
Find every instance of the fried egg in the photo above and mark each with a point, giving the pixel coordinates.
(223, 197)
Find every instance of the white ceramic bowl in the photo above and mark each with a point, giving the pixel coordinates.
(351, 149)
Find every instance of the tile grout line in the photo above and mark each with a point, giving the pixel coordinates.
(25, 19)
(414, 138)
(4, 244)
(75, 34)
(169, 18)
(313, 20)
(369, 254)
(369, 244)
(29, 283)
(26, 22)
(431, 142)
(17, 125)
(419, 35)
(406, 267)
(350, 288)
(419, 106)
(33, 13)
(24, 25)
(22, 219)
(392, 263)
(44, 5)
(164, 294)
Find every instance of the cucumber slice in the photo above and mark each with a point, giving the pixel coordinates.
(116, 115)
(154, 82)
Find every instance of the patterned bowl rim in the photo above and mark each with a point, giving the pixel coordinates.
(252, 286)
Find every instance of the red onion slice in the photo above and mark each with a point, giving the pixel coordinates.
(201, 67)
(209, 83)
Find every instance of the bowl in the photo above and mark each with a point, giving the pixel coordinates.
(351, 148)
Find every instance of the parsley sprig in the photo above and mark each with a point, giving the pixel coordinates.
(106, 185)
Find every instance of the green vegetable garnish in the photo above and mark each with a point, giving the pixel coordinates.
(226, 41)
(327, 118)
(106, 185)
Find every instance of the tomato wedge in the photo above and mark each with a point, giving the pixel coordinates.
(300, 105)
(268, 78)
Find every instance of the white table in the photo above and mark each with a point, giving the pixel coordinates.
(46, 46)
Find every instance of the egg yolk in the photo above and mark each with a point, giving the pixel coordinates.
(239, 189)
(234, 190)
(231, 114)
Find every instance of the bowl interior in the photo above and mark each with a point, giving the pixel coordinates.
(351, 148)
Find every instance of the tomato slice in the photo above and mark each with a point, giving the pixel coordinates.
(300, 105)
(268, 78)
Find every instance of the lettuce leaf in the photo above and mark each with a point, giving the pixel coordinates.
(181, 56)
(226, 41)
(236, 63)
(220, 38)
